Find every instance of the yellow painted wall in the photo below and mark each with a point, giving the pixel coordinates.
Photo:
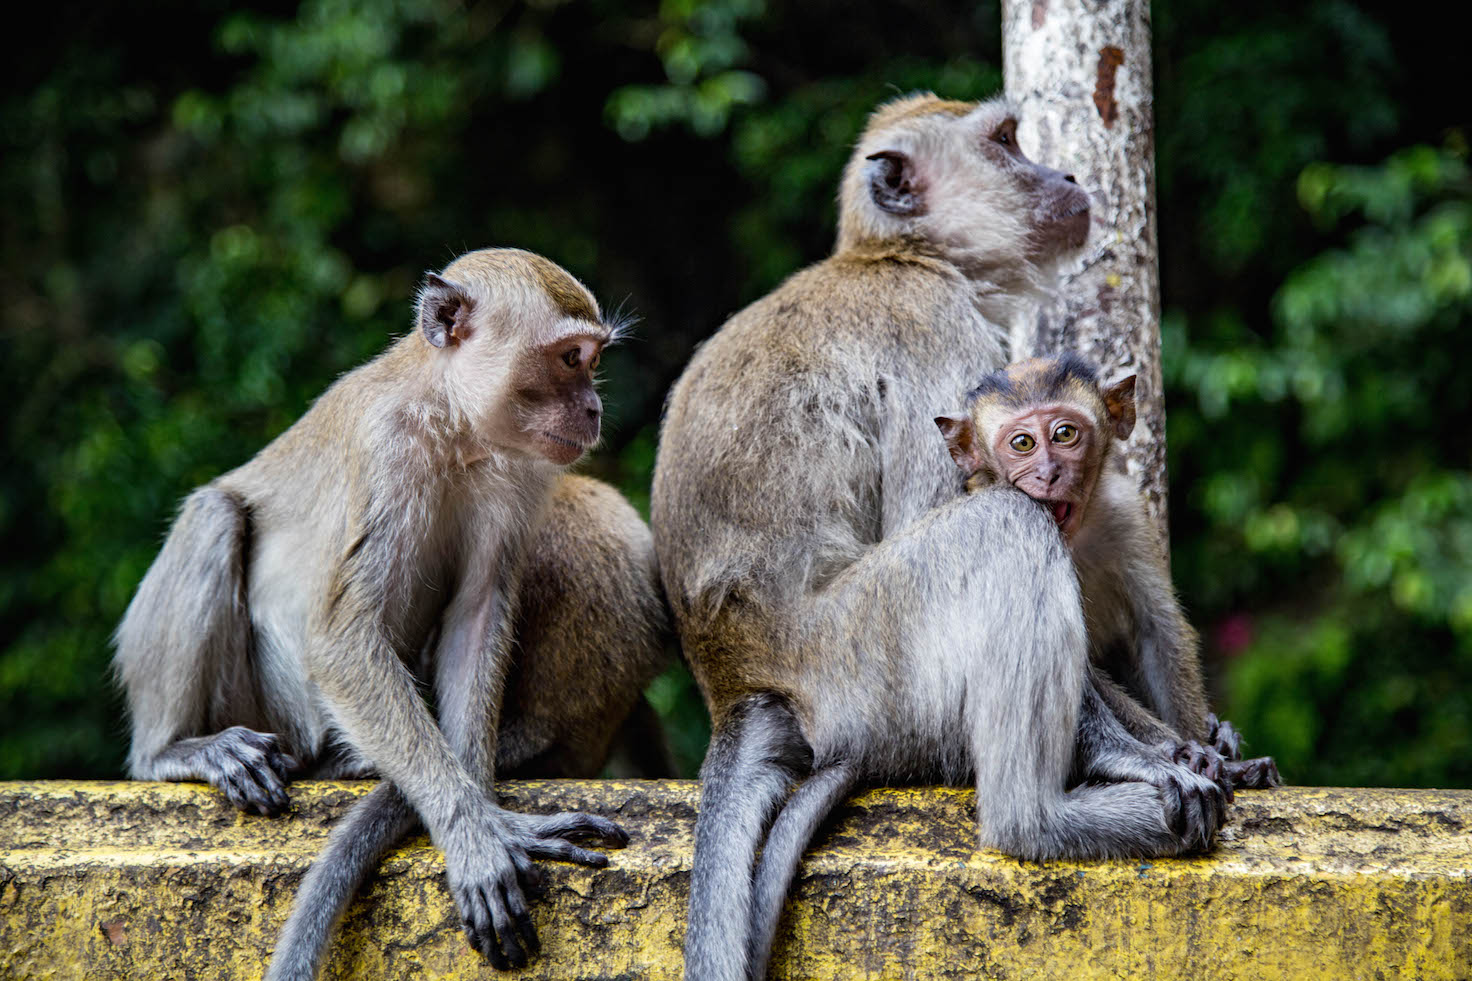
(141, 880)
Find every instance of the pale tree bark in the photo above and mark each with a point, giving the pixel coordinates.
(1079, 72)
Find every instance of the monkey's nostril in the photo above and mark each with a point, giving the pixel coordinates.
(1069, 178)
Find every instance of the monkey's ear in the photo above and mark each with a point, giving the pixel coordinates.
(1119, 399)
(961, 441)
(444, 311)
(893, 184)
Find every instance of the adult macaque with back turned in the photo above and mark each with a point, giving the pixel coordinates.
(847, 615)
(1046, 427)
(380, 543)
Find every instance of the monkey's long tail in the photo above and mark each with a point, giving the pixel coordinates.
(795, 826)
(353, 851)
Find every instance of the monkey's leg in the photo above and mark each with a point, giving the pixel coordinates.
(591, 632)
(1141, 723)
(358, 843)
(978, 602)
(754, 753)
(788, 839)
(183, 656)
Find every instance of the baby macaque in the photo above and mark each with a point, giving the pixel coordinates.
(1048, 428)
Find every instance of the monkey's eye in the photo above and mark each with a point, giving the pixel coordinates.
(1022, 443)
(571, 357)
(593, 362)
(1065, 434)
(1006, 134)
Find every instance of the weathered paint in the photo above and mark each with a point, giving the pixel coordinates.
(140, 880)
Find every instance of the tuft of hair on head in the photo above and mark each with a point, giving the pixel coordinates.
(620, 322)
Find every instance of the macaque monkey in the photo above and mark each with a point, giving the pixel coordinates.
(1046, 427)
(847, 615)
(380, 544)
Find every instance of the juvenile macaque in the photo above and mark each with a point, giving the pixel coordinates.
(1046, 427)
(377, 545)
(848, 617)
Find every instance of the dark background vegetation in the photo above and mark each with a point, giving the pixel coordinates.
(211, 211)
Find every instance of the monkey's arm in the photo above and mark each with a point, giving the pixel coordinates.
(1165, 649)
(1139, 721)
(1107, 750)
(471, 666)
(1168, 665)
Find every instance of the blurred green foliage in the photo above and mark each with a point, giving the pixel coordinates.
(213, 209)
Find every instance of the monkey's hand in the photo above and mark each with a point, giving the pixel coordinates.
(1206, 761)
(1195, 805)
(1255, 774)
(1223, 739)
(249, 767)
(493, 864)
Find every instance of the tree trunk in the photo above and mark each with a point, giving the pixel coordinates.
(1080, 76)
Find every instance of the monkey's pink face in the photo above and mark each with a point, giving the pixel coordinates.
(1050, 454)
(557, 411)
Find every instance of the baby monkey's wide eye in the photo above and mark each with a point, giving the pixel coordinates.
(571, 357)
(1022, 443)
(593, 361)
(1065, 434)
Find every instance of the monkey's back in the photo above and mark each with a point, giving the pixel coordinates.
(799, 434)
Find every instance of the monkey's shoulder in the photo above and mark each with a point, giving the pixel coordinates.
(835, 326)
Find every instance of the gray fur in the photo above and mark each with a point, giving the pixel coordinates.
(379, 544)
(815, 550)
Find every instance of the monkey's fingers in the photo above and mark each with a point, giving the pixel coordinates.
(1216, 772)
(516, 906)
(1206, 761)
(1175, 806)
(1254, 774)
(1223, 737)
(283, 763)
(573, 825)
(254, 789)
(532, 879)
(565, 851)
(478, 924)
(1207, 812)
(506, 930)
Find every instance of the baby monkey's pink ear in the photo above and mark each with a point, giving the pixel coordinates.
(960, 437)
(1119, 401)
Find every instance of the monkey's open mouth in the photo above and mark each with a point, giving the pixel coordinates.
(1062, 511)
(562, 441)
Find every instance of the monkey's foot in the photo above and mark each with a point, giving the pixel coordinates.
(1255, 774)
(249, 767)
(492, 903)
(1195, 805)
(1223, 737)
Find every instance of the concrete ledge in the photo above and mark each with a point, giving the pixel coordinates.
(140, 880)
